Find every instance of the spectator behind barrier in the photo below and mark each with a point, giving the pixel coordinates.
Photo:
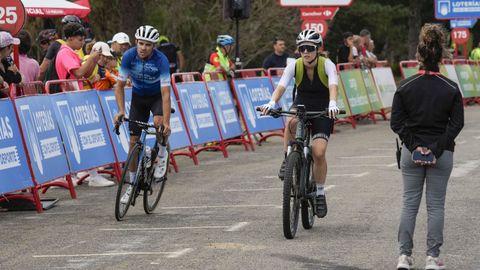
(120, 44)
(371, 57)
(278, 59)
(173, 53)
(45, 39)
(29, 68)
(55, 46)
(8, 70)
(475, 53)
(219, 60)
(345, 51)
(106, 67)
(427, 115)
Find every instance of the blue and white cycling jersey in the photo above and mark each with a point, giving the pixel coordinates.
(147, 75)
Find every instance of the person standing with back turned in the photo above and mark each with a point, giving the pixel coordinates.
(427, 114)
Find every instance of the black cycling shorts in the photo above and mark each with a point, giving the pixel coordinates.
(321, 127)
(140, 110)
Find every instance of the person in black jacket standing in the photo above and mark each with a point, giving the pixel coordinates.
(427, 114)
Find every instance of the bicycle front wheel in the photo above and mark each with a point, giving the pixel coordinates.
(154, 189)
(127, 187)
(291, 200)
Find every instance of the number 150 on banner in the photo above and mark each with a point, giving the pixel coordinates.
(319, 25)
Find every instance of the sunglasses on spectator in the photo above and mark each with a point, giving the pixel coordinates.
(308, 48)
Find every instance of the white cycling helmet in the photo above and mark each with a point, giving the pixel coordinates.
(309, 35)
(147, 33)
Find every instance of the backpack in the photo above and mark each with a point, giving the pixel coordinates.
(51, 75)
(299, 69)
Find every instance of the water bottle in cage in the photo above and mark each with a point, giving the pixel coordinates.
(148, 156)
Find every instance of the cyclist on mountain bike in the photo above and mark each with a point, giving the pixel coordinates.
(316, 86)
(148, 69)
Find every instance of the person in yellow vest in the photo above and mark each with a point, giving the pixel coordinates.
(316, 84)
(55, 47)
(219, 60)
(475, 53)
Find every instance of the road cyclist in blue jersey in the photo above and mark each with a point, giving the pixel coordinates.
(148, 69)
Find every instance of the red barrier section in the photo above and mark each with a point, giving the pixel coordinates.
(407, 64)
(218, 76)
(27, 89)
(251, 73)
(74, 85)
(195, 77)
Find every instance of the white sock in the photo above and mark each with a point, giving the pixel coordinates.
(132, 175)
(162, 150)
(93, 173)
(320, 190)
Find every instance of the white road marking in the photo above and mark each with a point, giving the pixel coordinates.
(477, 137)
(221, 206)
(270, 177)
(379, 149)
(354, 175)
(250, 189)
(462, 170)
(237, 226)
(461, 142)
(102, 254)
(392, 164)
(179, 253)
(328, 187)
(165, 228)
(365, 157)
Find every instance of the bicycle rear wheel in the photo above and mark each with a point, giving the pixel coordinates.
(122, 208)
(154, 189)
(307, 206)
(291, 200)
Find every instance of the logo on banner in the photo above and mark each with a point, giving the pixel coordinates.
(112, 110)
(66, 118)
(191, 118)
(250, 111)
(32, 137)
(218, 109)
(9, 157)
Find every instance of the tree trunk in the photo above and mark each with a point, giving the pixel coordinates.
(414, 25)
(132, 14)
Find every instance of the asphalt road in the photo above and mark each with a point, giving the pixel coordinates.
(226, 214)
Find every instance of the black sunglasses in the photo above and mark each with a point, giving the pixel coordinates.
(308, 48)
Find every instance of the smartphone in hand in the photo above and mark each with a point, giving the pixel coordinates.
(417, 156)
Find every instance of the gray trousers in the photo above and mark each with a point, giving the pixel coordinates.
(436, 179)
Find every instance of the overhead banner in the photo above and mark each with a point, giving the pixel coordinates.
(466, 80)
(199, 116)
(14, 172)
(252, 93)
(227, 114)
(355, 91)
(386, 85)
(42, 137)
(83, 128)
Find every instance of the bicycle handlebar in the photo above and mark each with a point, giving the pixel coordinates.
(275, 113)
(142, 125)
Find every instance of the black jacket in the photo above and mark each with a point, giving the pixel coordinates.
(427, 111)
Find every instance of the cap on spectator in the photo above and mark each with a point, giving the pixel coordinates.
(6, 39)
(102, 46)
(121, 38)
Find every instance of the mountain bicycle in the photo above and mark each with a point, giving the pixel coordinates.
(299, 190)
